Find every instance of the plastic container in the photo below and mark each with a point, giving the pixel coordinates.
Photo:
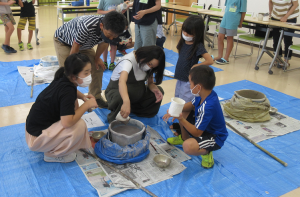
(49, 61)
(176, 106)
(87, 2)
(77, 3)
(260, 16)
(255, 96)
(121, 7)
(122, 139)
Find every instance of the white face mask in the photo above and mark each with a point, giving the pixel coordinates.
(145, 67)
(86, 81)
(189, 39)
(197, 92)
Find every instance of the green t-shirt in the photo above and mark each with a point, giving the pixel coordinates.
(109, 4)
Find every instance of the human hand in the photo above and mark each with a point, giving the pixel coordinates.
(92, 103)
(167, 116)
(89, 96)
(125, 110)
(139, 14)
(99, 62)
(11, 2)
(240, 25)
(158, 95)
(194, 66)
(129, 4)
(283, 19)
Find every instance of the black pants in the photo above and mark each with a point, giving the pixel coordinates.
(288, 40)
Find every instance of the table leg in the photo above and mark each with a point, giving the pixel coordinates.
(174, 22)
(205, 33)
(276, 53)
(62, 17)
(263, 49)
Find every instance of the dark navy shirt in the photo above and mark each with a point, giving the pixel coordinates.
(184, 64)
(148, 19)
(209, 117)
(28, 9)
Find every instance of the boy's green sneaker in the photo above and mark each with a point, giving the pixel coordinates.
(112, 66)
(29, 47)
(207, 160)
(21, 46)
(175, 140)
(106, 65)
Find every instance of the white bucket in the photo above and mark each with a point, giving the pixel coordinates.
(176, 106)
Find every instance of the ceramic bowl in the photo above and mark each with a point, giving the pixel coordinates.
(162, 161)
(272, 110)
(97, 135)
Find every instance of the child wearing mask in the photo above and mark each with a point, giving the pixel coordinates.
(190, 49)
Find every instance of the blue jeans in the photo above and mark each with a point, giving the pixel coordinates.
(160, 42)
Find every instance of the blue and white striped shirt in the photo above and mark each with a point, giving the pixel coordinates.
(84, 30)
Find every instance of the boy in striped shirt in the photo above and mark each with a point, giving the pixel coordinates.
(202, 123)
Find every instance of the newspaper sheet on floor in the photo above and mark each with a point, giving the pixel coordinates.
(108, 183)
(96, 175)
(44, 73)
(280, 124)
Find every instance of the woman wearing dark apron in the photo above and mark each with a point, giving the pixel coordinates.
(127, 92)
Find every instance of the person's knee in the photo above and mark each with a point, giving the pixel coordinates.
(221, 37)
(230, 38)
(188, 147)
(81, 125)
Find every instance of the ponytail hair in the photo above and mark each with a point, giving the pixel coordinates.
(59, 73)
(74, 64)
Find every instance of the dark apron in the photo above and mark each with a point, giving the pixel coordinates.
(142, 100)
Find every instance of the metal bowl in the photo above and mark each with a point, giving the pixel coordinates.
(162, 161)
(97, 135)
(272, 110)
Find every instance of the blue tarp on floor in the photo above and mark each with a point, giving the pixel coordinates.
(240, 168)
(14, 90)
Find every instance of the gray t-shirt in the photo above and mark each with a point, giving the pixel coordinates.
(5, 9)
(109, 4)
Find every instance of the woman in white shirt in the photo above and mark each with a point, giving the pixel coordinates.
(127, 92)
(284, 11)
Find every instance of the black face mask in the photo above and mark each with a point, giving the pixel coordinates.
(105, 39)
